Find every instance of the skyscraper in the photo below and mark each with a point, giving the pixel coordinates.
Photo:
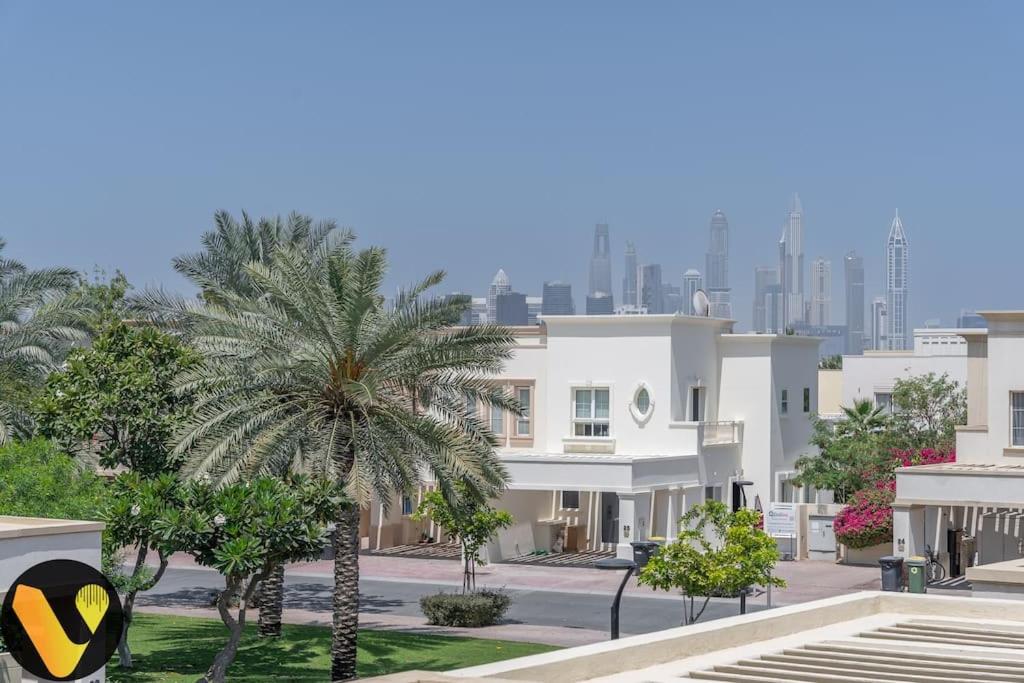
(599, 304)
(821, 292)
(764, 277)
(717, 263)
(499, 285)
(557, 299)
(853, 271)
(629, 293)
(897, 278)
(879, 341)
(533, 308)
(692, 281)
(672, 299)
(652, 296)
(601, 263)
(791, 263)
(774, 307)
(511, 309)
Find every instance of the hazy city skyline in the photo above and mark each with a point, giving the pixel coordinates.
(433, 133)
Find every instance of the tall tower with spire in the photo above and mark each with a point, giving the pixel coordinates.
(791, 263)
(600, 289)
(897, 281)
(499, 285)
(717, 266)
(629, 290)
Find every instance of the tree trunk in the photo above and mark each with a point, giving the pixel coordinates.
(346, 595)
(272, 603)
(218, 671)
(124, 651)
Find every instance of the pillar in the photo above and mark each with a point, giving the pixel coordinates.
(627, 525)
(909, 532)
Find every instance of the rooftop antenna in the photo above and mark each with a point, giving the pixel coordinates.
(701, 305)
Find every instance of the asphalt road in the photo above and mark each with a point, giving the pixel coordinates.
(193, 588)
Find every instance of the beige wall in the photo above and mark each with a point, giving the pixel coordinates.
(830, 392)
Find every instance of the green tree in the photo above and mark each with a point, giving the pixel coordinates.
(243, 530)
(469, 518)
(38, 325)
(314, 363)
(37, 479)
(831, 362)
(114, 404)
(717, 553)
(862, 419)
(927, 409)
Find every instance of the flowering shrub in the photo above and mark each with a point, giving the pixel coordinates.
(867, 519)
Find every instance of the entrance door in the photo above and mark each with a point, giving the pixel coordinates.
(609, 517)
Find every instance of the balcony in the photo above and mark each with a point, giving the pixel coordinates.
(720, 433)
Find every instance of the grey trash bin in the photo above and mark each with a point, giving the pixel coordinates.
(643, 551)
(892, 573)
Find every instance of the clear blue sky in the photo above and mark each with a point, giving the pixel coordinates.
(473, 136)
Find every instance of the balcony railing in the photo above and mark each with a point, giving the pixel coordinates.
(720, 433)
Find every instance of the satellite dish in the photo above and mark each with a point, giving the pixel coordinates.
(701, 305)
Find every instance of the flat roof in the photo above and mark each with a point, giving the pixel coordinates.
(14, 527)
(638, 319)
(964, 468)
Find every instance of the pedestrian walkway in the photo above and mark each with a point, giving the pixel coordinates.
(585, 559)
(435, 551)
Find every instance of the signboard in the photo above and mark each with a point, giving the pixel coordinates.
(781, 519)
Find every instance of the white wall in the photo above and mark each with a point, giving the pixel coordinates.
(865, 375)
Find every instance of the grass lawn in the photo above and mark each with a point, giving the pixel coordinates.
(181, 648)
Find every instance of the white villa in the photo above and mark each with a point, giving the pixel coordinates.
(631, 420)
(971, 511)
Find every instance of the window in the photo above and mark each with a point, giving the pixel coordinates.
(497, 421)
(713, 493)
(570, 500)
(786, 494)
(406, 505)
(807, 400)
(696, 404)
(590, 412)
(784, 402)
(523, 421)
(643, 401)
(883, 400)
(1017, 418)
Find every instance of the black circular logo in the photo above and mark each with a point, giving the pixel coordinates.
(61, 620)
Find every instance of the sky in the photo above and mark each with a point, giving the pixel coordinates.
(471, 136)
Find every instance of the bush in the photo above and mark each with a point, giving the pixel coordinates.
(867, 519)
(479, 608)
(38, 480)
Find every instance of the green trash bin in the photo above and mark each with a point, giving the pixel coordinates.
(915, 575)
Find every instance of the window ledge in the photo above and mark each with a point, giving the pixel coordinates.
(1014, 451)
(588, 444)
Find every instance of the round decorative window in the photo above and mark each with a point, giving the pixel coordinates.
(643, 404)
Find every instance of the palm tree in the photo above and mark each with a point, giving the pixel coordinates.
(38, 324)
(376, 397)
(221, 267)
(862, 418)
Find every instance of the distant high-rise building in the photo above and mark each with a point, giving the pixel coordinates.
(774, 309)
(673, 299)
(833, 337)
(897, 280)
(853, 271)
(652, 295)
(466, 318)
(557, 299)
(692, 281)
(717, 264)
(970, 319)
(499, 285)
(479, 308)
(764, 277)
(600, 303)
(511, 309)
(791, 263)
(821, 292)
(629, 291)
(601, 263)
(533, 308)
(879, 324)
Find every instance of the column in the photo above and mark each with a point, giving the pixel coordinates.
(909, 533)
(627, 525)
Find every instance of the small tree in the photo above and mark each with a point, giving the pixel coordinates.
(114, 404)
(927, 409)
(717, 553)
(468, 518)
(37, 479)
(243, 530)
(831, 362)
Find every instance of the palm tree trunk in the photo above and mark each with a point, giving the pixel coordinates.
(272, 603)
(346, 595)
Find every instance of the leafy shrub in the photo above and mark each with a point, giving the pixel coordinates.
(867, 519)
(479, 608)
(38, 480)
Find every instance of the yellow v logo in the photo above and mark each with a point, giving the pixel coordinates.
(58, 652)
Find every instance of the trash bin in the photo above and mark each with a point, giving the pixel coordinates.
(892, 573)
(915, 574)
(644, 551)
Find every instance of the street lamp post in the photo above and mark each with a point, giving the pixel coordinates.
(617, 564)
